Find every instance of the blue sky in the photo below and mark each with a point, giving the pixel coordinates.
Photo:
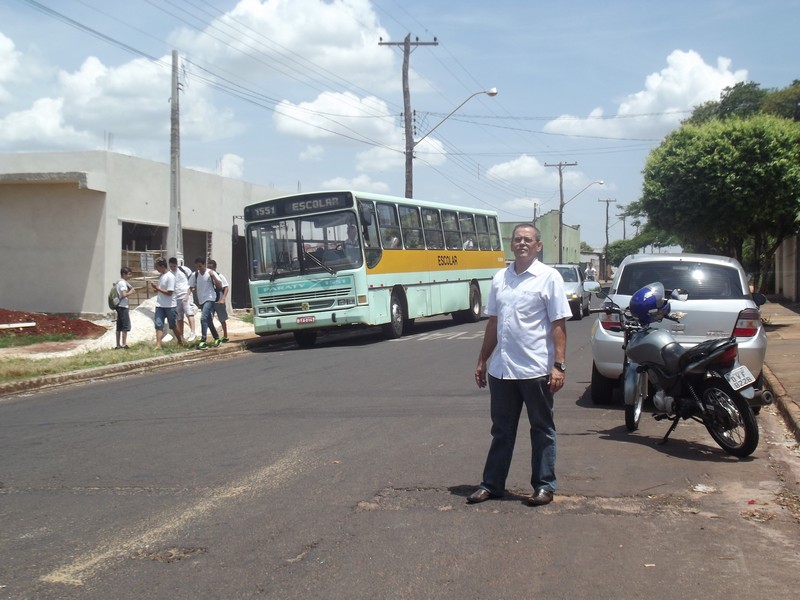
(299, 93)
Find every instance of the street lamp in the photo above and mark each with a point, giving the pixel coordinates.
(411, 143)
(561, 219)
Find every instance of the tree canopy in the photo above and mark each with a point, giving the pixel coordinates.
(716, 184)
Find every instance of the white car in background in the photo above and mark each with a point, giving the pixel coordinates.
(720, 304)
(577, 297)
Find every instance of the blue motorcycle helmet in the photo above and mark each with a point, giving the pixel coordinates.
(648, 304)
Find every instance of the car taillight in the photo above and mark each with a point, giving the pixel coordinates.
(610, 322)
(748, 323)
(728, 357)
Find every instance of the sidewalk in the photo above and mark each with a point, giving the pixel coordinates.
(782, 322)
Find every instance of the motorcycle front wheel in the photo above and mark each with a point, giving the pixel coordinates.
(729, 419)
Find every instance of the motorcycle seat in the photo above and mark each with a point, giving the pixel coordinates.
(702, 350)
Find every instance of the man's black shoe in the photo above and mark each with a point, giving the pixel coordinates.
(481, 495)
(541, 497)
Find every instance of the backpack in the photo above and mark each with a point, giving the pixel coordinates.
(113, 298)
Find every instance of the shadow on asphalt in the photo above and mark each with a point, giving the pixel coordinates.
(675, 445)
(348, 337)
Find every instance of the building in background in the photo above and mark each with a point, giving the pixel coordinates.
(69, 221)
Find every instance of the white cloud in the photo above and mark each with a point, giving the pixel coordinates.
(362, 183)
(10, 66)
(231, 165)
(312, 153)
(43, 123)
(294, 41)
(337, 115)
(667, 98)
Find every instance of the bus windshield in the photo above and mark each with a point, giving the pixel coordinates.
(310, 244)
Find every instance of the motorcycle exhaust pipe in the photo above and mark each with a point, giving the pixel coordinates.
(764, 397)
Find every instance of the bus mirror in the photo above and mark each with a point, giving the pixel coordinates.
(235, 234)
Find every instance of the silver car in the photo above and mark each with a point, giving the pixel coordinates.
(577, 297)
(720, 304)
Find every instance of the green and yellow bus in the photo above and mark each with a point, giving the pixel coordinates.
(342, 258)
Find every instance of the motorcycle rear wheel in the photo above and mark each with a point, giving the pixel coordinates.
(731, 422)
(633, 412)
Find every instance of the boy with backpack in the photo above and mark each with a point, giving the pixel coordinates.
(123, 290)
(205, 282)
(220, 306)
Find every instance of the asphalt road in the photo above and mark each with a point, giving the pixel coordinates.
(342, 471)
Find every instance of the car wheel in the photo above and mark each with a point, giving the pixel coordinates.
(578, 314)
(602, 387)
(586, 308)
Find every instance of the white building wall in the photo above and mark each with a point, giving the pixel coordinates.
(61, 218)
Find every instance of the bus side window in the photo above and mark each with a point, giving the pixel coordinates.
(468, 234)
(483, 232)
(389, 225)
(494, 234)
(452, 235)
(412, 227)
(433, 229)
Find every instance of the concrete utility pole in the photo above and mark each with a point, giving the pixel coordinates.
(175, 231)
(622, 217)
(604, 266)
(409, 129)
(561, 166)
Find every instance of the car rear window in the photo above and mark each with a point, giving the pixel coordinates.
(568, 274)
(702, 281)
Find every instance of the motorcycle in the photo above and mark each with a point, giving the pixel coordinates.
(704, 383)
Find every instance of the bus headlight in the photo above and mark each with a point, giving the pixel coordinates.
(346, 302)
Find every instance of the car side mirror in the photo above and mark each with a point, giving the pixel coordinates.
(759, 298)
(593, 287)
(679, 294)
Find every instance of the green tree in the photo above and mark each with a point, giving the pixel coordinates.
(784, 103)
(741, 100)
(586, 248)
(714, 185)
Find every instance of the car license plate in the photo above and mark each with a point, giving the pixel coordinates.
(305, 320)
(740, 377)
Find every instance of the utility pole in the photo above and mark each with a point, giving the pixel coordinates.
(604, 268)
(175, 231)
(622, 217)
(409, 129)
(561, 166)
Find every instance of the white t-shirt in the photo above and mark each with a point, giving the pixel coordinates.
(223, 281)
(204, 286)
(166, 282)
(525, 306)
(122, 287)
(181, 283)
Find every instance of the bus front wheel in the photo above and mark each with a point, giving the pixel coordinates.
(305, 338)
(396, 325)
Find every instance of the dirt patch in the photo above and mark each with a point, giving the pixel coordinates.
(48, 324)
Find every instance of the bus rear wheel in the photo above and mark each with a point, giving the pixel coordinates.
(305, 339)
(397, 319)
(473, 313)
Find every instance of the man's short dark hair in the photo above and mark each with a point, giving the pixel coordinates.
(161, 263)
(173, 260)
(199, 260)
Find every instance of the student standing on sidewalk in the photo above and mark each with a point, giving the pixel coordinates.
(220, 306)
(204, 282)
(165, 303)
(124, 289)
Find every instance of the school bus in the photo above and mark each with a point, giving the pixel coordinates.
(333, 259)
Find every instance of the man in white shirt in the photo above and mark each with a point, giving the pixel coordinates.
(221, 305)
(523, 354)
(205, 281)
(185, 308)
(165, 303)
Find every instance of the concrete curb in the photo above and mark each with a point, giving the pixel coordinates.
(787, 406)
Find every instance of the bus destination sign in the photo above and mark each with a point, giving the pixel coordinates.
(298, 205)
